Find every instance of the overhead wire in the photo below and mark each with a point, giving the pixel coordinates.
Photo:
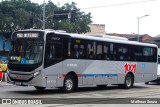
(119, 4)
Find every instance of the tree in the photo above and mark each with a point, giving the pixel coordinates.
(23, 14)
(79, 25)
(17, 14)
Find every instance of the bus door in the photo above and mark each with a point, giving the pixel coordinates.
(53, 58)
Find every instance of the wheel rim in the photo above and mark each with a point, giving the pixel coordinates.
(69, 84)
(128, 82)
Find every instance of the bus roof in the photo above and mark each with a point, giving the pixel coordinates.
(109, 39)
(104, 38)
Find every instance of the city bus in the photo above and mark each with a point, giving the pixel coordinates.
(56, 59)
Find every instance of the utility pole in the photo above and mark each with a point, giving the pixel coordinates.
(138, 18)
(44, 20)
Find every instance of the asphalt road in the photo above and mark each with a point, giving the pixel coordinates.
(90, 96)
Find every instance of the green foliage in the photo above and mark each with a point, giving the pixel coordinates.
(80, 25)
(17, 14)
(23, 14)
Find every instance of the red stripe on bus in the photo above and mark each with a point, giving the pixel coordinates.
(64, 75)
(79, 75)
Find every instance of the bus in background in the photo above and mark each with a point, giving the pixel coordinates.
(49, 59)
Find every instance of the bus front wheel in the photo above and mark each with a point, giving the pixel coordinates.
(69, 84)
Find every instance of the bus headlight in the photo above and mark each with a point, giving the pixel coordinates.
(37, 73)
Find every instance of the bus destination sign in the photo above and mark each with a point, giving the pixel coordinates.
(27, 35)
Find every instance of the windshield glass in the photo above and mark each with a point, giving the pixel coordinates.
(26, 51)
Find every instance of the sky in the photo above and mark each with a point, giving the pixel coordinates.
(121, 18)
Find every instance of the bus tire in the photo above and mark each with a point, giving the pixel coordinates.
(128, 81)
(69, 84)
(39, 88)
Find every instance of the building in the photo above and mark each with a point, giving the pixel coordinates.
(156, 40)
(97, 29)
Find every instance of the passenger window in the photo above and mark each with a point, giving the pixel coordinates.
(106, 52)
(147, 51)
(91, 50)
(82, 51)
(123, 54)
(148, 54)
(99, 51)
(77, 49)
(113, 50)
(138, 54)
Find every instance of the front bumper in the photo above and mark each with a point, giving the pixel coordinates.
(25, 79)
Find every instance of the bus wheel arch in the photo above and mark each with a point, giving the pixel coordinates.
(70, 82)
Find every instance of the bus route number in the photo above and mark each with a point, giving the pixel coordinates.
(130, 68)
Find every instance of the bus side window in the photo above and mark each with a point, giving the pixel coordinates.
(113, 50)
(68, 48)
(99, 52)
(77, 49)
(123, 53)
(82, 51)
(106, 54)
(149, 54)
(138, 54)
(91, 48)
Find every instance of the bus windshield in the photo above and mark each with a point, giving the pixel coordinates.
(24, 51)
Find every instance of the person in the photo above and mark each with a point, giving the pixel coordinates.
(77, 53)
(51, 51)
(81, 51)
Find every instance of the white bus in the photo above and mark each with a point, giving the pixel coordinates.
(49, 59)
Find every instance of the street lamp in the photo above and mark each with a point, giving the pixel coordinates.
(138, 25)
